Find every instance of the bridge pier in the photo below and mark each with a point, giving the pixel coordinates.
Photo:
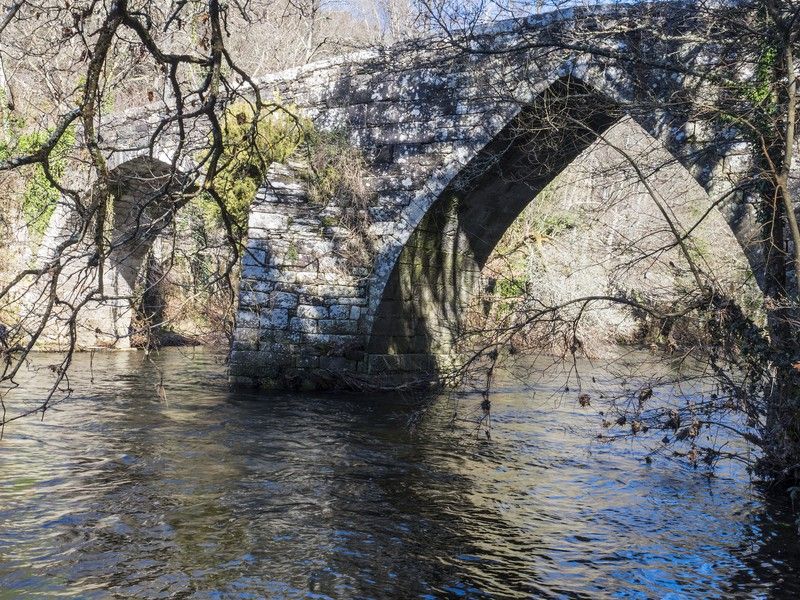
(300, 309)
(304, 302)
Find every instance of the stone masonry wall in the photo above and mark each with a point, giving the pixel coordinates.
(300, 306)
(419, 116)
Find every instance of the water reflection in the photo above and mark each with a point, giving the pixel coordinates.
(210, 494)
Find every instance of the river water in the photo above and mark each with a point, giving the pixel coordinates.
(200, 492)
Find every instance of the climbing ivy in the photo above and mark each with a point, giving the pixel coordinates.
(760, 89)
(40, 196)
(757, 91)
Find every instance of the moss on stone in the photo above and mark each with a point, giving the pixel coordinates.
(252, 142)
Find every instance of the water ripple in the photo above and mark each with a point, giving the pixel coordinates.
(213, 494)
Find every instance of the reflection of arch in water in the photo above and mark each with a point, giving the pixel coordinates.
(206, 489)
(423, 300)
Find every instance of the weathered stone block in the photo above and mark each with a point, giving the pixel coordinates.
(247, 319)
(286, 336)
(276, 318)
(254, 257)
(283, 300)
(303, 277)
(253, 298)
(268, 221)
(339, 311)
(303, 325)
(343, 326)
(252, 271)
(248, 337)
(312, 312)
(256, 285)
(329, 343)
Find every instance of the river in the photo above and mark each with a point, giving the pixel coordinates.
(123, 491)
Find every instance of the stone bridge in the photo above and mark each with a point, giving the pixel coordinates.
(456, 137)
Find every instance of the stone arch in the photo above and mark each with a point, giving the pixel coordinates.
(611, 85)
(419, 292)
(469, 154)
(146, 193)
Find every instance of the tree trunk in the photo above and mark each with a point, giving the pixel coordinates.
(781, 460)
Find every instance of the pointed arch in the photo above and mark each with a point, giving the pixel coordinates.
(421, 302)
